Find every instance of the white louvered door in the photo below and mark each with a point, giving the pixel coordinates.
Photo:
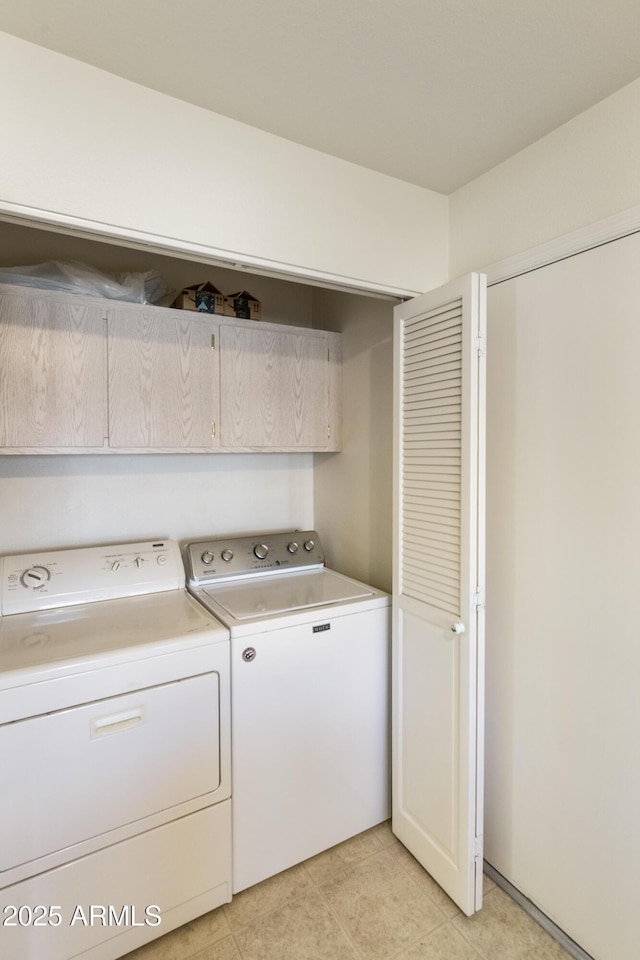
(438, 618)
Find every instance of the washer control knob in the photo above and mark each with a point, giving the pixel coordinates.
(139, 561)
(292, 547)
(309, 545)
(261, 551)
(115, 565)
(207, 557)
(227, 555)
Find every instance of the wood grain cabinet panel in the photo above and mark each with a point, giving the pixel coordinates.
(52, 372)
(92, 376)
(276, 389)
(163, 380)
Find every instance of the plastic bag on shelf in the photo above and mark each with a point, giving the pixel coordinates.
(79, 278)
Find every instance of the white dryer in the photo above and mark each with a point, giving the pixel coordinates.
(115, 820)
(310, 696)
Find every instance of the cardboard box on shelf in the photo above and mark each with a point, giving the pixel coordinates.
(203, 297)
(242, 304)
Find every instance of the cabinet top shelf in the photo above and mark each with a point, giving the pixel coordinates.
(108, 305)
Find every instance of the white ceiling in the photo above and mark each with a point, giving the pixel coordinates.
(434, 92)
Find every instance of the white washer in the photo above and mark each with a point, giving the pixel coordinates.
(115, 817)
(309, 694)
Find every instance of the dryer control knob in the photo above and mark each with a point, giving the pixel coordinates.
(292, 547)
(309, 545)
(261, 551)
(227, 555)
(35, 576)
(207, 557)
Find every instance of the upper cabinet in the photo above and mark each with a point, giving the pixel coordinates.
(52, 373)
(78, 375)
(164, 381)
(278, 389)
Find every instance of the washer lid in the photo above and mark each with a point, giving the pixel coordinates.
(258, 597)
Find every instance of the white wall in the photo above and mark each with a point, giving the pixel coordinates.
(584, 171)
(82, 143)
(81, 500)
(353, 489)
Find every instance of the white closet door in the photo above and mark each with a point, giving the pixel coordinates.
(438, 637)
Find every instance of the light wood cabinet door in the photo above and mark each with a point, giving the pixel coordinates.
(163, 381)
(52, 372)
(276, 389)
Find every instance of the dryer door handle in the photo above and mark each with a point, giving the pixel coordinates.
(116, 722)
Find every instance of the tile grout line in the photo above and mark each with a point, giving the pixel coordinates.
(473, 946)
(237, 946)
(316, 885)
(445, 919)
(358, 952)
(423, 936)
(443, 922)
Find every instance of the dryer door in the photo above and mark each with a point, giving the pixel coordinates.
(79, 773)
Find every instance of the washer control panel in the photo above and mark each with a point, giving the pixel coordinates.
(208, 560)
(58, 578)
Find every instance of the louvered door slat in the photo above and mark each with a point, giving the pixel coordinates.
(435, 331)
(432, 431)
(433, 317)
(437, 345)
(424, 591)
(430, 396)
(418, 496)
(419, 461)
(441, 362)
(437, 379)
(419, 377)
(438, 415)
(434, 526)
(438, 555)
(433, 548)
(425, 472)
(435, 491)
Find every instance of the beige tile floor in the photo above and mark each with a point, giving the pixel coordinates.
(366, 899)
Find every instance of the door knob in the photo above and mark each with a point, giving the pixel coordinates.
(458, 628)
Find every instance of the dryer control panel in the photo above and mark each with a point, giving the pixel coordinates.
(59, 578)
(234, 557)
